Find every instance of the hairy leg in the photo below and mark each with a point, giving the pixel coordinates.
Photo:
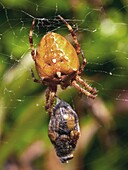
(34, 79)
(50, 95)
(86, 85)
(31, 40)
(87, 93)
(78, 49)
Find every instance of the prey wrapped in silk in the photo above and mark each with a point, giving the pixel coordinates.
(64, 130)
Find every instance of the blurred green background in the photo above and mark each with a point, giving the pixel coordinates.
(102, 30)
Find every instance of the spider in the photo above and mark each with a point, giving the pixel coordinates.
(57, 63)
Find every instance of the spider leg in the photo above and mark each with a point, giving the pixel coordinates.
(81, 69)
(47, 94)
(34, 79)
(50, 95)
(31, 40)
(87, 93)
(86, 85)
(78, 49)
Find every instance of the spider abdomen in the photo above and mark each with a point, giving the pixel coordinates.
(55, 54)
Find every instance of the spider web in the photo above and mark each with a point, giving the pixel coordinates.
(102, 36)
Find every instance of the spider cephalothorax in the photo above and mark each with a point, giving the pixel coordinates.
(57, 63)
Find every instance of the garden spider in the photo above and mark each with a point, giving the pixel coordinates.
(57, 63)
